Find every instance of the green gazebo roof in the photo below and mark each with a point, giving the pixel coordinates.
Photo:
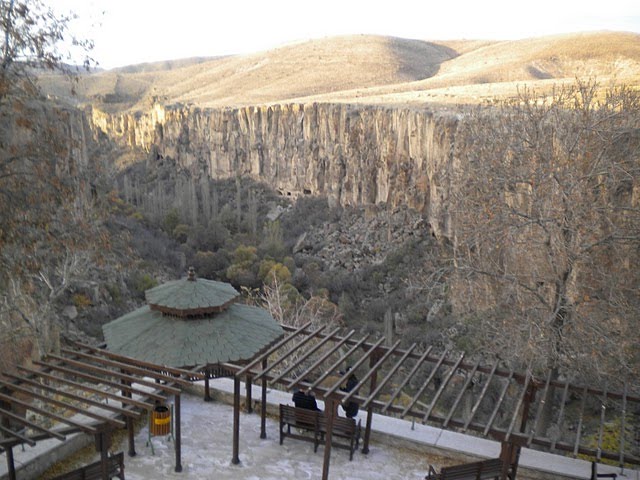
(238, 333)
(192, 322)
(191, 296)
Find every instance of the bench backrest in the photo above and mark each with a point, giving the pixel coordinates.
(341, 426)
(297, 416)
(477, 470)
(301, 416)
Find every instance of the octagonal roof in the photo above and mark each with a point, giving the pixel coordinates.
(191, 296)
(237, 333)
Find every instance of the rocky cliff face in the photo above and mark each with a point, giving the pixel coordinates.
(354, 155)
(43, 154)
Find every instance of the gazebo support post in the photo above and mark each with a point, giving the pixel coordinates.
(129, 420)
(372, 387)
(263, 405)
(207, 390)
(330, 412)
(102, 445)
(131, 435)
(178, 432)
(510, 451)
(248, 396)
(236, 421)
(11, 466)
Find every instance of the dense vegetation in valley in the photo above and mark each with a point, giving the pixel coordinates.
(535, 260)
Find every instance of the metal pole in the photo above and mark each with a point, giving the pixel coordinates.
(178, 430)
(130, 426)
(130, 432)
(236, 421)
(263, 406)
(248, 396)
(207, 391)
(367, 430)
(10, 463)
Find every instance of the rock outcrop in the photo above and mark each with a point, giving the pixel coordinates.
(352, 154)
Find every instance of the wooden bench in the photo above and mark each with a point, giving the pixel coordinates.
(595, 475)
(94, 471)
(313, 421)
(343, 429)
(301, 419)
(482, 470)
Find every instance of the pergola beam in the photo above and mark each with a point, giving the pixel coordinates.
(22, 438)
(307, 354)
(78, 398)
(337, 363)
(27, 423)
(161, 369)
(409, 376)
(100, 380)
(372, 371)
(59, 403)
(288, 353)
(145, 372)
(114, 374)
(464, 388)
(321, 360)
(96, 391)
(388, 377)
(85, 428)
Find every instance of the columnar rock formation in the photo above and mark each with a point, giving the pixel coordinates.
(354, 155)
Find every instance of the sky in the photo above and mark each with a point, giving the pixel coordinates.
(136, 31)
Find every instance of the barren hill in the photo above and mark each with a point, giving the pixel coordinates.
(367, 68)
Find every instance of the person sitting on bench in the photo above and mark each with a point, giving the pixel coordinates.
(304, 399)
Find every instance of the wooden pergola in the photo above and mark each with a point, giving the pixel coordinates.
(444, 390)
(109, 390)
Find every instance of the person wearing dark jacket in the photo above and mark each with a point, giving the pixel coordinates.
(303, 399)
(351, 408)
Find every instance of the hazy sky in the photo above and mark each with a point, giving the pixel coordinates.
(135, 31)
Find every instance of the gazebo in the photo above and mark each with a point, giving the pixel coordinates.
(193, 322)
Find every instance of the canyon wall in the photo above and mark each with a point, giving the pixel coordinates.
(45, 164)
(352, 154)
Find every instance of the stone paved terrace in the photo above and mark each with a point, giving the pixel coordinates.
(399, 450)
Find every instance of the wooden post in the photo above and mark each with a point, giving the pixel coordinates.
(11, 466)
(330, 407)
(510, 451)
(263, 406)
(236, 421)
(103, 448)
(367, 431)
(178, 431)
(248, 400)
(207, 391)
(131, 435)
(129, 420)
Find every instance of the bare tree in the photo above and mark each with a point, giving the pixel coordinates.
(547, 217)
(32, 35)
(48, 228)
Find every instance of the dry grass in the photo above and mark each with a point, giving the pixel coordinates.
(369, 69)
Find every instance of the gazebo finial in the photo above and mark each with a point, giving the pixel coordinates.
(192, 274)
